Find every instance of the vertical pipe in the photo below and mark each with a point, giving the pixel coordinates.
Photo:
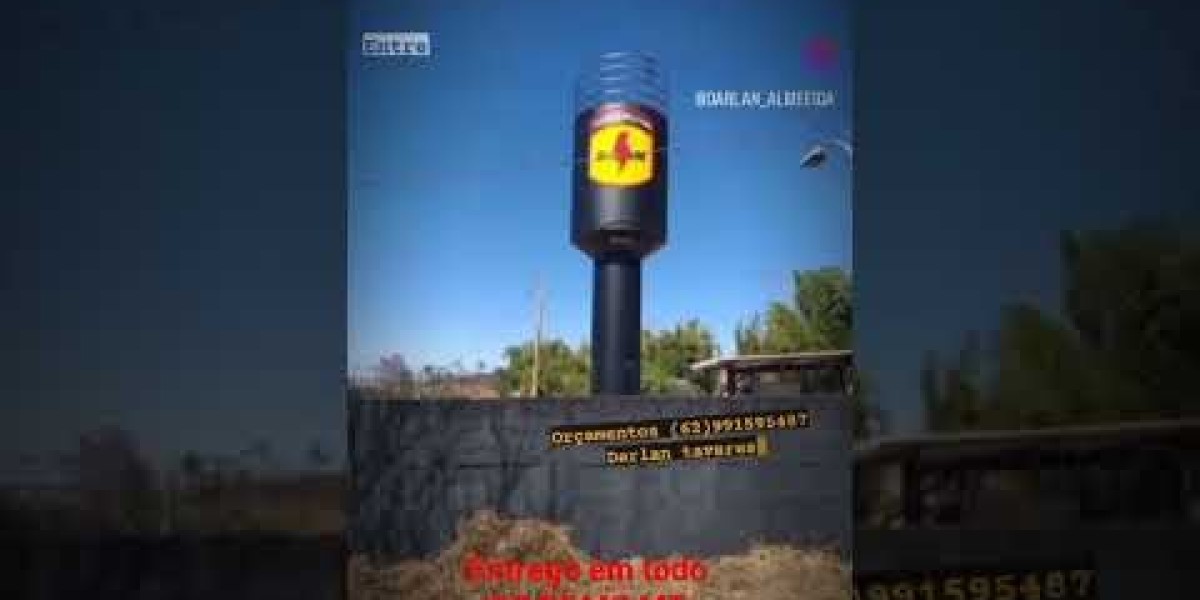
(616, 326)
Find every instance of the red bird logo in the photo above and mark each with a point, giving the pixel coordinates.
(621, 150)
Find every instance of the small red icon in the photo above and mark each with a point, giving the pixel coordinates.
(622, 152)
(821, 52)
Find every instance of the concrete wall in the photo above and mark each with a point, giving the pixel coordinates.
(418, 467)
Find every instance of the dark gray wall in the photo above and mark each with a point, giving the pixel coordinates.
(229, 566)
(418, 467)
(1150, 561)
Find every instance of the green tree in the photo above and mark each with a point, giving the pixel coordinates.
(748, 336)
(787, 330)
(562, 370)
(867, 418)
(191, 468)
(820, 317)
(824, 300)
(668, 354)
(1126, 349)
(1133, 297)
(953, 395)
(1045, 376)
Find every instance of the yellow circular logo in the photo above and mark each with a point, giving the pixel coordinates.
(621, 154)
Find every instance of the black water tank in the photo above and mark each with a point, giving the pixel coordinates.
(619, 179)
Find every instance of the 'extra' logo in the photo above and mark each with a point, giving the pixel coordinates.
(621, 150)
(395, 43)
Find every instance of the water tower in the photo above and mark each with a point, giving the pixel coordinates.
(619, 203)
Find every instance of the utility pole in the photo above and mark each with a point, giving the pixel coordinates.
(539, 311)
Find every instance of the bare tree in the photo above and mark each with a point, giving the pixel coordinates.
(393, 376)
(116, 484)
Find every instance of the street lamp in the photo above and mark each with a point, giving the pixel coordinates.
(817, 155)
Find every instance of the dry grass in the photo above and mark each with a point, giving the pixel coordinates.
(765, 572)
(776, 573)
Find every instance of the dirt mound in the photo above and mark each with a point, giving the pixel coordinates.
(764, 572)
(774, 572)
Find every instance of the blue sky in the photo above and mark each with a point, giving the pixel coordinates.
(460, 189)
(186, 282)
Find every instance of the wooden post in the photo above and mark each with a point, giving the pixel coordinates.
(912, 492)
